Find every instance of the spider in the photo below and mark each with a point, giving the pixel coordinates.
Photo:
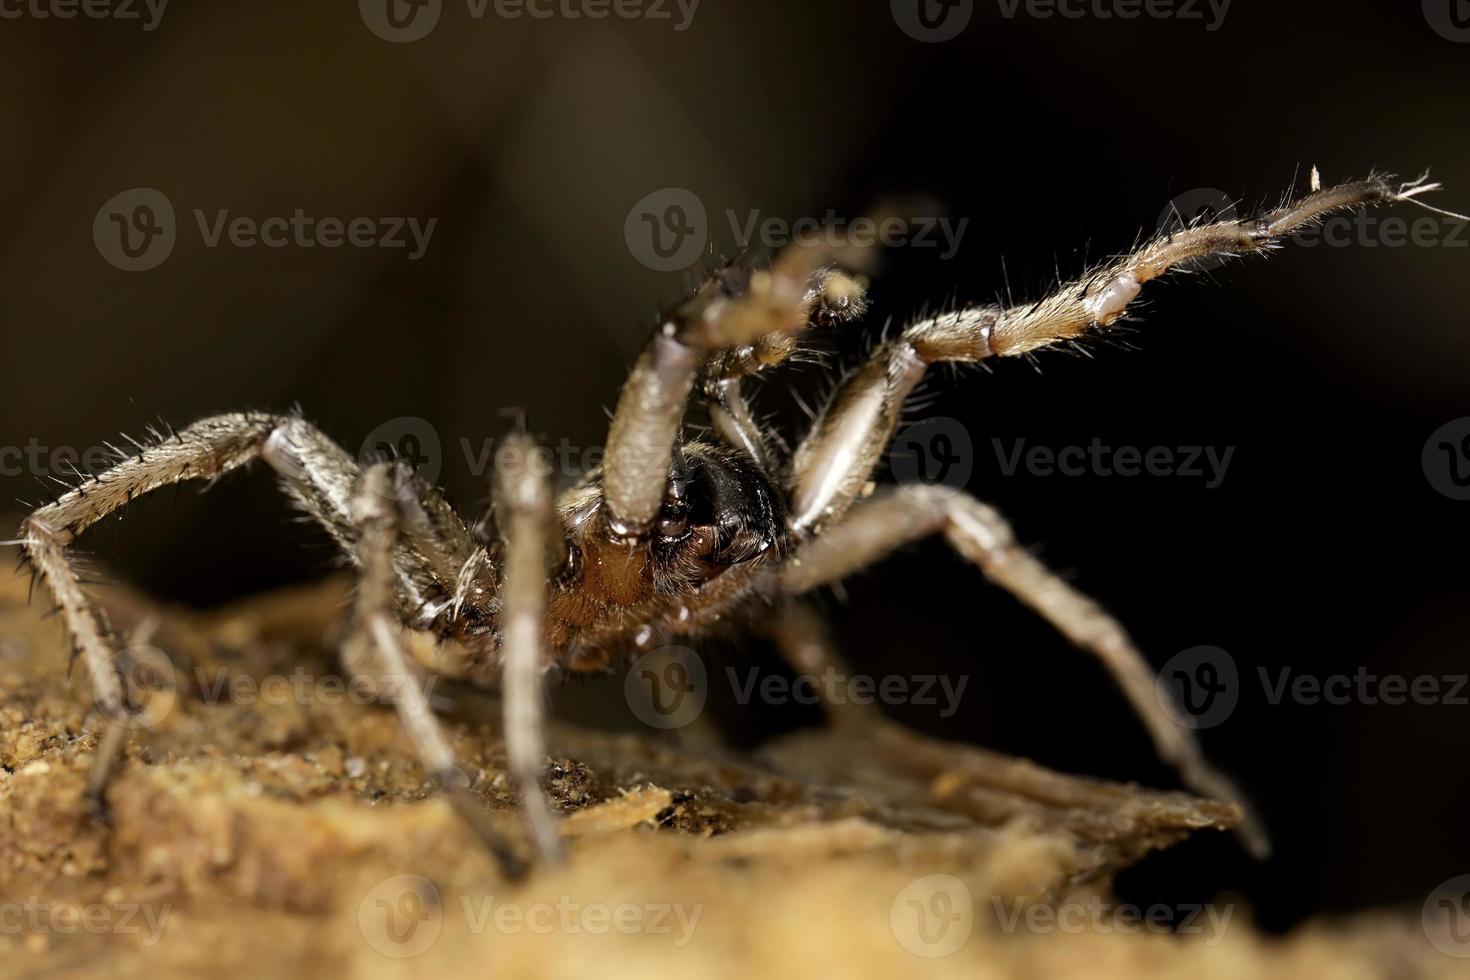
(667, 538)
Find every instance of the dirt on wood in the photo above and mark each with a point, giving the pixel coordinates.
(266, 824)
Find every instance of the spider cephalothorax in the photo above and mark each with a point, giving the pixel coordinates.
(668, 538)
(719, 527)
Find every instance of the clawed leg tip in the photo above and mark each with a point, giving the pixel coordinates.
(94, 804)
(517, 868)
(514, 868)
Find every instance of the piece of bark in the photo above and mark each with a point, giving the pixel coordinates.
(268, 836)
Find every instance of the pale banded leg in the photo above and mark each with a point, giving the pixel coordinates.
(376, 510)
(206, 449)
(836, 459)
(439, 564)
(317, 473)
(523, 495)
(877, 526)
(755, 320)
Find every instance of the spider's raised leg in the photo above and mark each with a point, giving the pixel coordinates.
(377, 510)
(895, 517)
(836, 459)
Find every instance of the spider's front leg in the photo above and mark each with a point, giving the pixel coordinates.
(736, 323)
(836, 459)
(893, 518)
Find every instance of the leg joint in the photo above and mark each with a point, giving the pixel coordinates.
(977, 530)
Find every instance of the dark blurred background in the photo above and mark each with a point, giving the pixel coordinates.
(1325, 548)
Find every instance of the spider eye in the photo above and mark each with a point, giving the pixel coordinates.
(671, 525)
